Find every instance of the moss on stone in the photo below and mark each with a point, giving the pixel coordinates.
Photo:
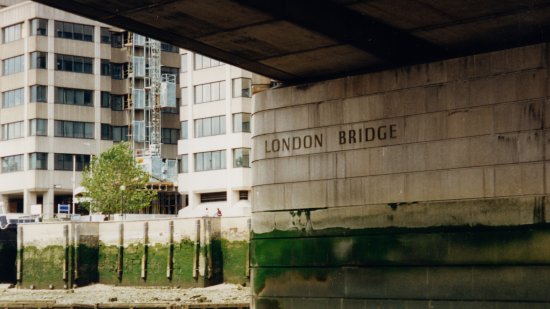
(43, 266)
(234, 258)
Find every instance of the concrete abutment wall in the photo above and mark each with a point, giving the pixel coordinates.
(179, 252)
(427, 184)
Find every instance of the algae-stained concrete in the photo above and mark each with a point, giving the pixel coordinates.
(178, 252)
(8, 253)
(427, 182)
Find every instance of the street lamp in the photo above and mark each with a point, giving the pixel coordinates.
(122, 189)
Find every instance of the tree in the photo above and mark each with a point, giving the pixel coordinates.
(114, 183)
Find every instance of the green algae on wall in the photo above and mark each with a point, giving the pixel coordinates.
(42, 267)
(156, 266)
(473, 262)
(87, 264)
(234, 255)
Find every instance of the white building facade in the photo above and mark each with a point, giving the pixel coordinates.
(64, 96)
(215, 149)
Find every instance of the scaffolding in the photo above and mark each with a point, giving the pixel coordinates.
(149, 92)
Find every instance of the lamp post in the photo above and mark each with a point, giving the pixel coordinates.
(74, 182)
(122, 189)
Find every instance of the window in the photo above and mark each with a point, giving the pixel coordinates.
(39, 26)
(210, 92)
(170, 136)
(117, 39)
(211, 160)
(13, 65)
(39, 60)
(105, 35)
(64, 161)
(105, 67)
(74, 31)
(38, 127)
(213, 197)
(39, 93)
(117, 102)
(12, 33)
(105, 99)
(243, 195)
(74, 96)
(12, 130)
(241, 122)
(184, 164)
(74, 64)
(106, 132)
(38, 161)
(167, 47)
(117, 71)
(170, 110)
(171, 71)
(210, 126)
(184, 98)
(183, 65)
(13, 98)
(12, 164)
(120, 133)
(203, 62)
(184, 130)
(242, 87)
(74, 129)
(241, 157)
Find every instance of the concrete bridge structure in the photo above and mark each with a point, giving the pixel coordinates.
(404, 164)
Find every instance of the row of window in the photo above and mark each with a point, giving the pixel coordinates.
(241, 87)
(39, 161)
(200, 62)
(66, 30)
(216, 125)
(73, 31)
(39, 127)
(216, 160)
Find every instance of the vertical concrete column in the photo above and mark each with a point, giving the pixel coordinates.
(48, 204)
(193, 197)
(29, 198)
(233, 197)
(4, 203)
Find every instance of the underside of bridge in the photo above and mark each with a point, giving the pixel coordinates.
(306, 40)
(407, 162)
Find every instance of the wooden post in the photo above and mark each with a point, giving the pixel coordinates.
(145, 250)
(170, 258)
(208, 241)
(66, 255)
(120, 250)
(249, 223)
(197, 249)
(19, 254)
(76, 241)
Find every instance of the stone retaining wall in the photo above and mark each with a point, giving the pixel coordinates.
(179, 252)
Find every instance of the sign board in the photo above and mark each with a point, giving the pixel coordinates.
(36, 209)
(63, 208)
